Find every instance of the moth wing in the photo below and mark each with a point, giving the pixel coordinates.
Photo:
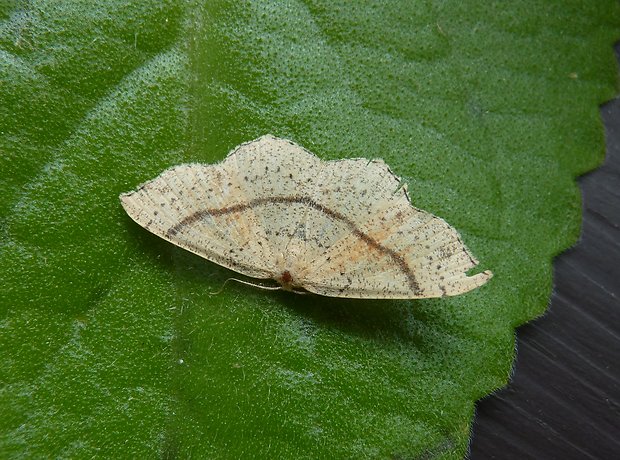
(400, 253)
(199, 208)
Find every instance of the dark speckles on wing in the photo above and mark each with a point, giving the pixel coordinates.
(259, 202)
(343, 228)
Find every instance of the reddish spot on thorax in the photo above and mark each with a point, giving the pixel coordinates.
(286, 280)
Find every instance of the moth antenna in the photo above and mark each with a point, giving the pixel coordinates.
(248, 283)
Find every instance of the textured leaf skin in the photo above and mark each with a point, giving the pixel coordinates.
(111, 345)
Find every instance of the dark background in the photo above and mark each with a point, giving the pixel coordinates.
(564, 398)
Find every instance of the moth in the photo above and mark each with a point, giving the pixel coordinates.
(340, 228)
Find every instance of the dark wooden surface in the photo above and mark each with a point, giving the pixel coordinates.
(564, 399)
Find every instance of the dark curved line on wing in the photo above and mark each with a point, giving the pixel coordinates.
(216, 212)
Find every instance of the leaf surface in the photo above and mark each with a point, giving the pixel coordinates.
(111, 342)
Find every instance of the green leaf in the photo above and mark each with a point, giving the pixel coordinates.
(111, 342)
